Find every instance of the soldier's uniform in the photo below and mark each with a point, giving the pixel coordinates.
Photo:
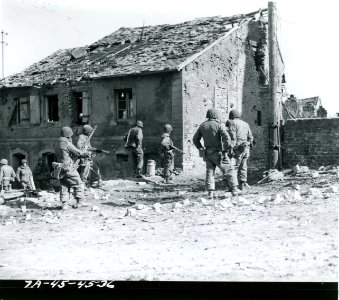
(24, 175)
(217, 142)
(65, 151)
(87, 163)
(7, 175)
(168, 153)
(242, 140)
(41, 175)
(133, 143)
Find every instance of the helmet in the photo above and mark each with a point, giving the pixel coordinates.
(4, 162)
(24, 161)
(212, 114)
(66, 132)
(87, 129)
(140, 124)
(168, 128)
(234, 114)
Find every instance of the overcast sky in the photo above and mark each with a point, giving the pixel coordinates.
(308, 32)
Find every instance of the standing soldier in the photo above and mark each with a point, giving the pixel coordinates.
(7, 175)
(133, 143)
(242, 141)
(69, 177)
(217, 143)
(166, 147)
(41, 174)
(24, 175)
(86, 163)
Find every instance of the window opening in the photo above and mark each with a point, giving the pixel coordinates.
(52, 108)
(259, 120)
(124, 104)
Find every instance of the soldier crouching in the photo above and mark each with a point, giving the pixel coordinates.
(69, 177)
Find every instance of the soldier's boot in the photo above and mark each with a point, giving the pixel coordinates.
(138, 173)
(211, 194)
(64, 206)
(244, 185)
(168, 180)
(235, 191)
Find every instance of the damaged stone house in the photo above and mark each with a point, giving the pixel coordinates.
(158, 74)
(294, 108)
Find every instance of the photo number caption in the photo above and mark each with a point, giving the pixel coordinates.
(36, 284)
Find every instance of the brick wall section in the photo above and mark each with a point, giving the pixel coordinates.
(311, 142)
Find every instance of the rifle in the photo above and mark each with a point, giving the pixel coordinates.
(175, 148)
(91, 134)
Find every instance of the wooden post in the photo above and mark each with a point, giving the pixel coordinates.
(273, 84)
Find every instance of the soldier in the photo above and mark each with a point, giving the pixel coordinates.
(217, 143)
(69, 177)
(87, 164)
(166, 148)
(133, 143)
(41, 174)
(7, 175)
(24, 175)
(242, 141)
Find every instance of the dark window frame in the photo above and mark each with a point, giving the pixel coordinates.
(52, 108)
(122, 101)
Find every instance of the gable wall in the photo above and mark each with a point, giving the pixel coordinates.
(227, 74)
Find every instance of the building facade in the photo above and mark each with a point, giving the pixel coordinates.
(157, 74)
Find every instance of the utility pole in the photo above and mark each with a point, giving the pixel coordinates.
(3, 44)
(274, 150)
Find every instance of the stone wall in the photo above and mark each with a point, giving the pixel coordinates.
(157, 99)
(311, 142)
(230, 73)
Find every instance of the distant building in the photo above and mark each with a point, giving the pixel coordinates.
(294, 108)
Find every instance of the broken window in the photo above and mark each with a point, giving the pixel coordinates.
(80, 113)
(52, 108)
(259, 120)
(125, 104)
(21, 111)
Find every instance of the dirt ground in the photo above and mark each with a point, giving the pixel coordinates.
(129, 230)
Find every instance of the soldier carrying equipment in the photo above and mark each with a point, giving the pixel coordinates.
(87, 167)
(24, 176)
(64, 168)
(7, 175)
(133, 143)
(217, 142)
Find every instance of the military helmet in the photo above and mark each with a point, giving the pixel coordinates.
(234, 114)
(4, 161)
(212, 114)
(139, 123)
(168, 128)
(24, 161)
(87, 129)
(66, 132)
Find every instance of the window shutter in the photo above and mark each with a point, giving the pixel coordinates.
(34, 103)
(85, 103)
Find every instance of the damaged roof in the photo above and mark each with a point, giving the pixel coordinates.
(130, 51)
(310, 101)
